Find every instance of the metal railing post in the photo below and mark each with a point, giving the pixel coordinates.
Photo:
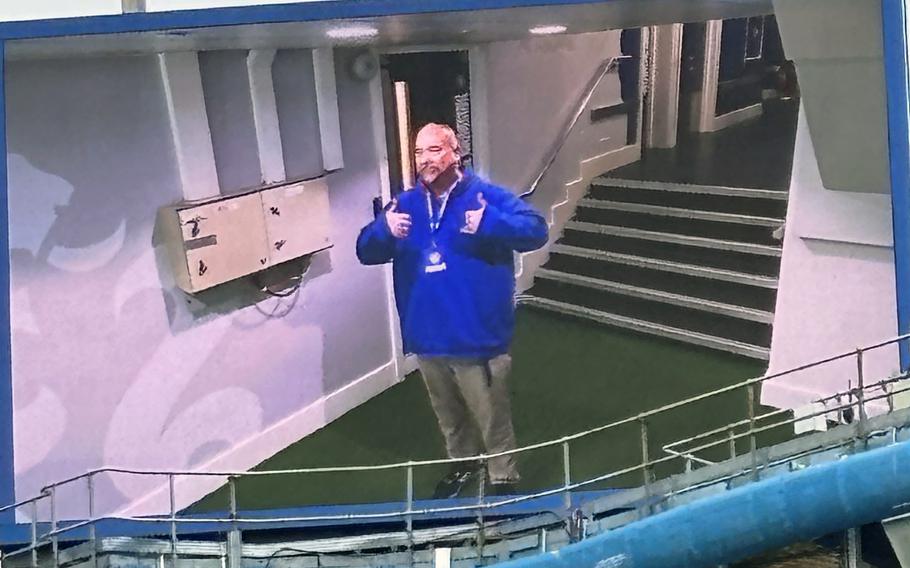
(34, 512)
(481, 490)
(234, 540)
(860, 395)
(753, 442)
(645, 463)
(55, 543)
(173, 518)
(92, 532)
(567, 482)
(567, 476)
(409, 518)
(732, 438)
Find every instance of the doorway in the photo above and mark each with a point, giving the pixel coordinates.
(419, 88)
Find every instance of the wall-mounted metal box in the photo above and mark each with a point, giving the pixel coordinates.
(215, 240)
(297, 219)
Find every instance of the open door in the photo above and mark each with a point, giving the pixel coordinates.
(419, 88)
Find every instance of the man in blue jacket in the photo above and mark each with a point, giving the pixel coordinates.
(452, 240)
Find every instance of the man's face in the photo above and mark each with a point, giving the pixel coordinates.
(433, 154)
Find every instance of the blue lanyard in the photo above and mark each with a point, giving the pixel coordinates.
(435, 220)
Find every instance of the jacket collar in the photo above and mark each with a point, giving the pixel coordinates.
(467, 178)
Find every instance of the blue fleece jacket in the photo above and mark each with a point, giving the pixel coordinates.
(467, 309)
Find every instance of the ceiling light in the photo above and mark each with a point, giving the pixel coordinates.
(547, 30)
(356, 32)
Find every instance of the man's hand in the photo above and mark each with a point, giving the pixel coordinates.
(473, 218)
(399, 223)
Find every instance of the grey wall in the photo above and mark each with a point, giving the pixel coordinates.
(229, 107)
(533, 86)
(837, 47)
(295, 96)
(112, 365)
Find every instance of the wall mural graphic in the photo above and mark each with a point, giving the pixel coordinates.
(153, 381)
(42, 406)
(112, 365)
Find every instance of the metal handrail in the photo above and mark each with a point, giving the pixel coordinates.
(603, 69)
(409, 512)
(483, 457)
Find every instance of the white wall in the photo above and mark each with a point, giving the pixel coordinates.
(838, 50)
(45, 9)
(112, 365)
(533, 87)
(837, 285)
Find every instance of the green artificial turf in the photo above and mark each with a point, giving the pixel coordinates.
(568, 376)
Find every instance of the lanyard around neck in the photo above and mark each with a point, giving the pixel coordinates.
(435, 221)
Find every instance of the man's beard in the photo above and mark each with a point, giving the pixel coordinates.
(438, 173)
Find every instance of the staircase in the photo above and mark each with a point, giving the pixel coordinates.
(690, 263)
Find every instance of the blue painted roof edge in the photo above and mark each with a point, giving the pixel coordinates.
(261, 14)
(20, 533)
(7, 471)
(896, 81)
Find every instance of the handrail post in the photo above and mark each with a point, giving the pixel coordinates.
(34, 512)
(860, 395)
(92, 532)
(173, 518)
(481, 490)
(731, 435)
(567, 475)
(409, 518)
(645, 463)
(567, 482)
(55, 544)
(234, 540)
(753, 442)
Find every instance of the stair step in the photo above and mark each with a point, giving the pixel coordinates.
(687, 314)
(633, 245)
(661, 296)
(677, 225)
(692, 188)
(668, 266)
(673, 238)
(681, 213)
(651, 328)
(749, 202)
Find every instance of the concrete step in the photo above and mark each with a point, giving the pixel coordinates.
(669, 266)
(692, 303)
(735, 200)
(650, 328)
(691, 280)
(674, 220)
(671, 238)
(682, 212)
(746, 325)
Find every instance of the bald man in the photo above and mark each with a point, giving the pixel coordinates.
(452, 241)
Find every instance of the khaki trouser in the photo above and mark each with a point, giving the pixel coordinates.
(468, 395)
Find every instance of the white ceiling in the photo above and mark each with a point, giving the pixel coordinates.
(447, 28)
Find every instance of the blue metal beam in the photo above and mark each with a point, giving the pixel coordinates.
(895, 53)
(742, 522)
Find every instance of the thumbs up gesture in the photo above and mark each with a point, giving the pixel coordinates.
(473, 218)
(399, 223)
